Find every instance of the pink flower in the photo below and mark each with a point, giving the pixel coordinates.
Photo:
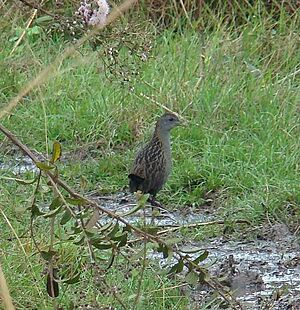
(94, 12)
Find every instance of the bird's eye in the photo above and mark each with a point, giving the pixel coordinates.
(171, 119)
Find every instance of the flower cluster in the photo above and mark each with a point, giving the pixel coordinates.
(93, 12)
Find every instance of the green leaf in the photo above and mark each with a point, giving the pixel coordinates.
(35, 211)
(76, 201)
(43, 166)
(165, 250)
(80, 241)
(192, 277)
(56, 202)
(56, 152)
(133, 210)
(201, 257)
(190, 249)
(127, 228)
(152, 230)
(47, 255)
(102, 246)
(119, 236)
(177, 267)
(111, 260)
(112, 233)
(66, 217)
(123, 240)
(53, 212)
(43, 19)
(105, 227)
(172, 241)
(34, 30)
(91, 232)
(73, 280)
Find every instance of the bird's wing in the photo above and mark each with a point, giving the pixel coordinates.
(139, 166)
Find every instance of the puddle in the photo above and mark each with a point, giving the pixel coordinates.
(263, 274)
(122, 203)
(18, 166)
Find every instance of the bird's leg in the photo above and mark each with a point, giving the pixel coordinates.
(154, 203)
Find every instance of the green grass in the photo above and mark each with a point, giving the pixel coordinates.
(236, 88)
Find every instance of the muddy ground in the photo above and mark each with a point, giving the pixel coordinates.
(261, 272)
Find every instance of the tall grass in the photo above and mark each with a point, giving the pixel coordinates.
(236, 83)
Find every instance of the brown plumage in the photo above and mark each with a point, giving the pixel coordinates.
(152, 165)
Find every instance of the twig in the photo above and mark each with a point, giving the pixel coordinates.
(146, 236)
(39, 8)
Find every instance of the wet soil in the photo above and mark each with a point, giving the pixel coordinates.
(261, 272)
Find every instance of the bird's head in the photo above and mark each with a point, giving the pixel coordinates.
(167, 122)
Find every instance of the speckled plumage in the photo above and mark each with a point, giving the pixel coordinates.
(152, 165)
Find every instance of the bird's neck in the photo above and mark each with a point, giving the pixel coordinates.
(162, 137)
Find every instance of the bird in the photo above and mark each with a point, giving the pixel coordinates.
(152, 165)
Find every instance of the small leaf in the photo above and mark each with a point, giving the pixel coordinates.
(56, 202)
(190, 249)
(73, 280)
(35, 211)
(76, 201)
(112, 233)
(34, 30)
(192, 277)
(177, 267)
(172, 241)
(56, 152)
(105, 227)
(44, 166)
(133, 210)
(52, 285)
(123, 240)
(91, 232)
(102, 246)
(111, 261)
(119, 236)
(203, 276)
(152, 230)
(201, 257)
(43, 19)
(47, 255)
(53, 212)
(66, 217)
(127, 228)
(80, 241)
(165, 250)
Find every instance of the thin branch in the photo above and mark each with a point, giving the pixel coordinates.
(38, 7)
(147, 237)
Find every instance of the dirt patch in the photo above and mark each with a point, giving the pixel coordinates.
(261, 274)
